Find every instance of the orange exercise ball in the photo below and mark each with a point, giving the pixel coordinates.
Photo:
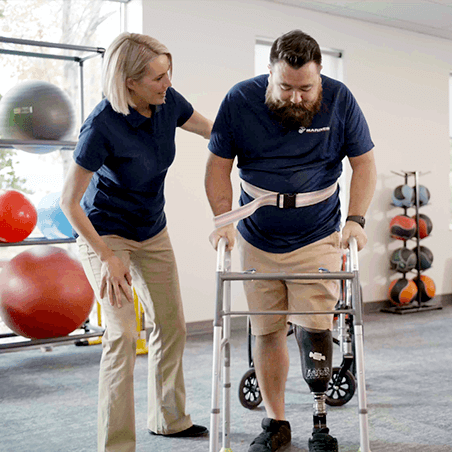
(44, 293)
(18, 216)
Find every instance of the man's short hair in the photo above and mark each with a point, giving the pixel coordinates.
(128, 56)
(296, 49)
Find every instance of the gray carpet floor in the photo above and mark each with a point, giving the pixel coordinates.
(48, 400)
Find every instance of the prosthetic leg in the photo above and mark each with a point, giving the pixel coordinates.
(316, 350)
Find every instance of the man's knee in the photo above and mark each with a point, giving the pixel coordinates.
(273, 338)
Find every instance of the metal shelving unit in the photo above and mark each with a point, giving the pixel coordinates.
(84, 53)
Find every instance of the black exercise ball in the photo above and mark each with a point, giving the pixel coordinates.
(36, 110)
(426, 258)
(403, 260)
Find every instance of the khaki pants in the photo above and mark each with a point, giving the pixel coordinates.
(155, 279)
(292, 295)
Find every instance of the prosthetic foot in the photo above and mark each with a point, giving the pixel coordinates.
(316, 350)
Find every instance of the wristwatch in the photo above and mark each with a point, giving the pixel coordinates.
(357, 219)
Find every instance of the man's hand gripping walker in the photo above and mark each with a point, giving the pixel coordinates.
(221, 336)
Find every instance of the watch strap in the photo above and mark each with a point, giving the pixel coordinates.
(357, 219)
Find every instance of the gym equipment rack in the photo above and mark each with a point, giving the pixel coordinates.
(416, 305)
(83, 53)
(86, 53)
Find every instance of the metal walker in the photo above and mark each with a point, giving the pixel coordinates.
(222, 331)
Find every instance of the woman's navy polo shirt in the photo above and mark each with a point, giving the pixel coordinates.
(130, 156)
(289, 161)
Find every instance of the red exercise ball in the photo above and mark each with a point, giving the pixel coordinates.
(44, 293)
(18, 216)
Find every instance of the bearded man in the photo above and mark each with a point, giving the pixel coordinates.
(290, 131)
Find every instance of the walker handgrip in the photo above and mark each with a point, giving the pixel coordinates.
(221, 253)
(353, 253)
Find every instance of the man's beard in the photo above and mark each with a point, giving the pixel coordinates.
(293, 116)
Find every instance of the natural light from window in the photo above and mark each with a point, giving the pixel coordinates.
(93, 23)
(450, 148)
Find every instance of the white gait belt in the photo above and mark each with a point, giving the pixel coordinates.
(264, 197)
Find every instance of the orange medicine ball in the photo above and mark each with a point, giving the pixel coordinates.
(402, 291)
(426, 287)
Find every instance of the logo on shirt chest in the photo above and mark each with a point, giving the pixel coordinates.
(321, 129)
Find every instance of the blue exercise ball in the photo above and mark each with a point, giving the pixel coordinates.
(403, 196)
(424, 195)
(51, 220)
(36, 110)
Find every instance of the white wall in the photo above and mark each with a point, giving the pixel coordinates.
(399, 78)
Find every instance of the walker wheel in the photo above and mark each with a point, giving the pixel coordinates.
(340, 392)
(249, 393)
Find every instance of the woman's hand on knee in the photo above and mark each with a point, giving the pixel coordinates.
(115, 280)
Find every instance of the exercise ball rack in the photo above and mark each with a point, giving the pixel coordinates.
(83, 53)
(416, 305)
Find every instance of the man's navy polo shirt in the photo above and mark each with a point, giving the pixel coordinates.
(283, 160)
(130, 156)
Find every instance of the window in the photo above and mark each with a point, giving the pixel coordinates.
(93, 23)
(450, 143)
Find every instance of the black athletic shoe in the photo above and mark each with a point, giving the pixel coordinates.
(276, 434)
(191, 432)
(322, 442)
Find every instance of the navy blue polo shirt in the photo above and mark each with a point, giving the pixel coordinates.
(130, 156)
(289, 161)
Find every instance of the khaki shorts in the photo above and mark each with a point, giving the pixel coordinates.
(293, 295)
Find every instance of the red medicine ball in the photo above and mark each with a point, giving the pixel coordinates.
(402, 227)
(425, 225)
(402, 291)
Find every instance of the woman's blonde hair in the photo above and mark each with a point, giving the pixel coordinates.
(128, 57)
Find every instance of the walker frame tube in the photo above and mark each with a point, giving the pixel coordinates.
(221, 336)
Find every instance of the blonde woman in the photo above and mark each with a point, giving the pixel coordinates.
(113, 197)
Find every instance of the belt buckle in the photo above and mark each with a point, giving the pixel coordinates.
(286, 200)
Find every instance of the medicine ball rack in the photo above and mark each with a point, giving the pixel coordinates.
(416, 305)
(84, 53)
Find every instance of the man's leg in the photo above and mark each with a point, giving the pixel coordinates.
(270, 355)
(271, 361)
(313, 333)
(316, 350)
